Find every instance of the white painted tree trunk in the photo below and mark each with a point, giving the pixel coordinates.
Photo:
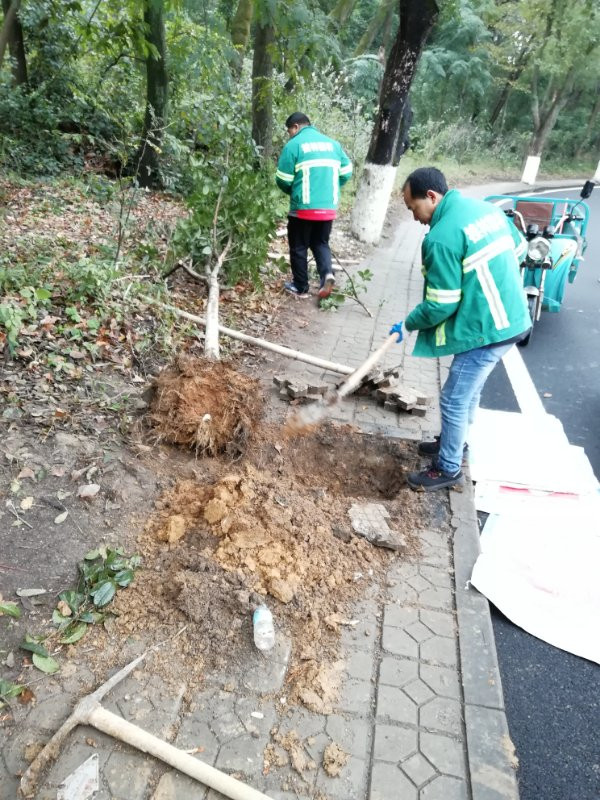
(530, 171)
(372, 199)
(597, 173)
(211, 334)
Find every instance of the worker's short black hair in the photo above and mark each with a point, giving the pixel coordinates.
(426, 179)
(297, 118)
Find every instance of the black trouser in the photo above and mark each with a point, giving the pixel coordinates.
(302, 235)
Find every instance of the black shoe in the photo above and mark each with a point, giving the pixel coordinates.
(433, 448)
(291, 287)
(433, 478)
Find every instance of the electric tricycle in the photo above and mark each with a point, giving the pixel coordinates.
(554, 229)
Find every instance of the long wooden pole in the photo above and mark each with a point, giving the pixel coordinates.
(342, 369)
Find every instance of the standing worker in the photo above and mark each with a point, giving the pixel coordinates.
(473, 308)
(311, 169)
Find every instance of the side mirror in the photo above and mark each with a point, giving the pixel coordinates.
(588, 188)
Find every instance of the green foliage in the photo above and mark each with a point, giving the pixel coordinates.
(101, 573)
(9, 690)
(353, 287)
(10, 609)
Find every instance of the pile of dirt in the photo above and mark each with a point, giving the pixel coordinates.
(258, 533)
(205, 405)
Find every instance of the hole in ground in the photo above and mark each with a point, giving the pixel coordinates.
(342, 461)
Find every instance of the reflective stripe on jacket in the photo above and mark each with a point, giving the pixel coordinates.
(311, 169)
(473, 294)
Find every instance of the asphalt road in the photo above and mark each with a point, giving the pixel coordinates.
(552, 697)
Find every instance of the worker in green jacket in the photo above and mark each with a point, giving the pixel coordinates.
(311, 169)
(473, 307)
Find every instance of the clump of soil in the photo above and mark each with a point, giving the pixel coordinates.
(205, 405)
(334, 759)
(266, 531)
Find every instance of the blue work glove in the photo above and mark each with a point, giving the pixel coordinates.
(397, 329)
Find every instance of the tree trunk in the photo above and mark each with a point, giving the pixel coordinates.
(374, 27)
(544, 121)
(403, 142)
(515, 74)
(240, 32)
(262, 87)
(416, 20)
(342, 11)
(157, 96)
(14, 36)
(591, 126)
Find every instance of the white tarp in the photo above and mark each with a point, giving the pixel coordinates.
(525, 450)
(540, 559)
(542, 572)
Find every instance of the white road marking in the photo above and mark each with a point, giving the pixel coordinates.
(522, 385)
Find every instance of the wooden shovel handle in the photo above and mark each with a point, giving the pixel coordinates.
(125, 731)
(354, 380)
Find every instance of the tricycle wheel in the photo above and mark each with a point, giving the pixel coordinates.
(531, 304)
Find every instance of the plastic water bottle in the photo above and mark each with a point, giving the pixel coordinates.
(264, 632)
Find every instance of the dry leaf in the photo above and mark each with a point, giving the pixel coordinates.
(64, 608)
(61, 518)
(26, 472)
(58, 471)
(26, 503)
(26, 696)
(30, 592)
(88, 490)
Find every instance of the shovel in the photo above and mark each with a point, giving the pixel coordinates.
(305, 418)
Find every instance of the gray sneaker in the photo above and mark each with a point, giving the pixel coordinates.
(327, 286)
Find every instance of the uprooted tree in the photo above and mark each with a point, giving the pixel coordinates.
(416, 21)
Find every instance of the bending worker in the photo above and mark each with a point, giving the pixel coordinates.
(473, 308)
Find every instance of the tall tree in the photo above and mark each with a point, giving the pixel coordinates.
(157, 94)
(262, 79)
(416, 21)
(14, 37)
(240, 32)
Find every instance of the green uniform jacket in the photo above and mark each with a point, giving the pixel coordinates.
(473, 294)
(311, 169)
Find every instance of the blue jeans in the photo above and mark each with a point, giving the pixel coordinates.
(459, 400)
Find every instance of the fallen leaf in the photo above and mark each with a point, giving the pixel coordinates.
(15, 487)
(26, 503)
(29, 592)
(58, 471)
(61, 518)
(45, 663)
(26, 696)
(26, 472)
(11, 609)
(88, 490)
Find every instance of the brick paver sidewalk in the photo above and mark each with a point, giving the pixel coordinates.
(421, 712)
